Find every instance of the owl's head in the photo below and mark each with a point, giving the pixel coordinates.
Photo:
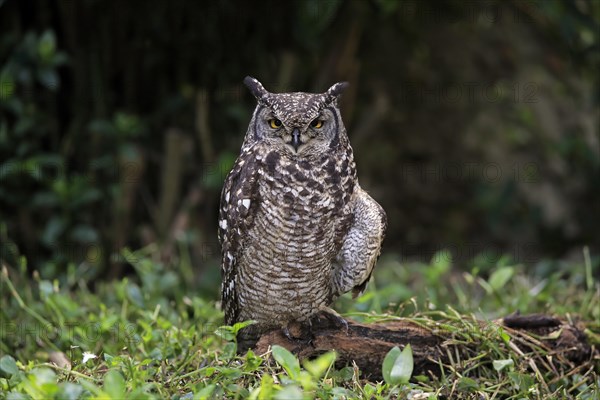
(298, 124)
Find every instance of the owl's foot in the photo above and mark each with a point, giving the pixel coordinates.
(286, 332)
(294, 331)
(332, 316)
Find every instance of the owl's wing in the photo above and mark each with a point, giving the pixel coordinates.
(239, 198)
(356, 260)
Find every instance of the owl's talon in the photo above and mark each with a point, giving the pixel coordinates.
(345, 323)
(286, 332)
(335, 318)
(340, 322)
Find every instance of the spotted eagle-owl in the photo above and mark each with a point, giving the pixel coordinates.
(295, 227)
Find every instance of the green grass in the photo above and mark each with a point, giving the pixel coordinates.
(152, 335)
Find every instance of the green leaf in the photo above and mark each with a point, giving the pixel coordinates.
(398, 366)
(225, 332)
(230, 332)
(70, 391)
(467, 384)
(500, 277)
(41, 383)
(114, 384)
(345, 374)
(499, 365)
(230, 373)
(8, 365)
(291, 392)
(505, 336)
(369, 390)
(44, 376)
(90, 387)
(403, 366)
(46, 288)
(287, 360)
(441, 262)
(206, 392)
(241, 325)
(388, 363)
(306, 380)
(253, 362)
(7, 86)
(522, 381)
(134, 293)
(127, 124)
(17, 396)
(318, 367)
(266, 387)
(46, 46)
(229, 350)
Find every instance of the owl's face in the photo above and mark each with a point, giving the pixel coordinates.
(296, 124)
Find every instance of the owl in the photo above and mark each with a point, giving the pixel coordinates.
(295, 227)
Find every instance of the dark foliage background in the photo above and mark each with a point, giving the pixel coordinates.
(475, 124)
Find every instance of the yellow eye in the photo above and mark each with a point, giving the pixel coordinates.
(317, 123)
(275, 123)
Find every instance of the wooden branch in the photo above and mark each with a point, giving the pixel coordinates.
(367, 344)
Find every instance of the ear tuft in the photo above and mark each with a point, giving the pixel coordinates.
(334, 92)
(256, 88)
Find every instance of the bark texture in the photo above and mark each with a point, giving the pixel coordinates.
(564, 344)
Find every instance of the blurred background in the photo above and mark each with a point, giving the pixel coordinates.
(474, 123)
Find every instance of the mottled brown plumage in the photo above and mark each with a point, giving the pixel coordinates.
(295, 227)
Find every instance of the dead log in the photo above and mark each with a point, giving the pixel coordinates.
(556, 344)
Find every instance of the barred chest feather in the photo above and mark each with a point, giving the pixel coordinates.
(297, 231)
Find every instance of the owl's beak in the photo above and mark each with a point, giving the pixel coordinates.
(296, 139)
